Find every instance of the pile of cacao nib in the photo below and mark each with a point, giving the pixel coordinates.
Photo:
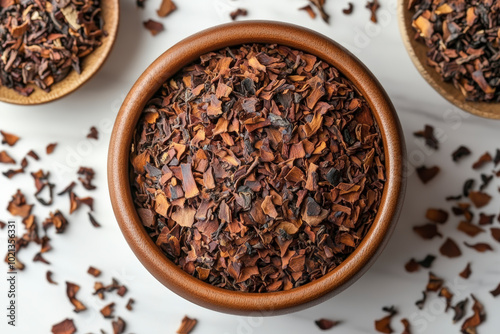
(258, 168)
(463, 38)
(43, 41)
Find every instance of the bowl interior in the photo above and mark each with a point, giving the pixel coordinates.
(90, 64)
(418, 54)
(238, 302)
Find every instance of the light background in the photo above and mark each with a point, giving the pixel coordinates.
(157, 310)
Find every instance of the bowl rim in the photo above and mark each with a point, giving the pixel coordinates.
(489, 110)
(203, 293)
(64, 87)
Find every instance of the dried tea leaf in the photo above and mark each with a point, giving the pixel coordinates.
(427, 231)
(107, 311)
(427, 174)
(94, 271)
(428, 135)
(5, 158)
(50, 148)
(349, 9)
(64, 327)
(166, 8)
(406, 326)
(384, 325)
(237, 13)
(435, 283)
(495, 233)
(427, 261)
(450, 249)
(119, 326)
(479, 199)
(437, 215)
(496, 292)
(71, 290)
(309, 11)
(325, 324)
(470, 324)
(154, 27)
(486, 219)
(187, 325)
(484, 159)
(48, 276)
(93, 133)
(9, 138)
(420, 303)
(469, 228)
(129, 304)
(320, 5)
(460, 152)
(373, 7)
(93, 221)
(412, 266)
(465, 274)
(459, 309)
(480, 247)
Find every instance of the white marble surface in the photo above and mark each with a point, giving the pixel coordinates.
(157, 310)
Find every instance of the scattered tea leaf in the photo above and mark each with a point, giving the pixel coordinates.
(237, 13)
(325, 324)
(480, 247)
(450, 249)
(460, 153)
(427, 231)
(166, 8)
(154, 27)
(187, 325)
(51, 147)
(437, 215)
(64, 327)
(427, 174)
(465, 274)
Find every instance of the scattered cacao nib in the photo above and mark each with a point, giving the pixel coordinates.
(486, 219)
(154, 27)
(406, 326)
(94, 222)
(64, 327)
(9, 138)
(496, 292)
(435, 283)
(470, 324)
(426, 174)
(129, 304)
(495, 233)
(265, 160)
(237, 13)
(384, 325)
(93, 133)
(427, 231)
(187, 325)
(107, 311)
(87, 175)
(166, 8)
(71, 291)
(480, 246)
(428, 135)
(48, 275)
(373, 7)
(437, 215)
(461, 42)
(325, 324)
(349, 9)
(421, 302)
(484, 159)
(465, 274)
(5, 158)
(450, 249)
(309, 11)
(479, 199)
(460, 152)
(469, 228)
(320, 5)
(50, 148)
(94, 271)
(459, 309)
(118, 326)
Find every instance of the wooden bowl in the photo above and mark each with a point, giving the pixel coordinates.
(418, 54)
(202, 293)
(90, 64)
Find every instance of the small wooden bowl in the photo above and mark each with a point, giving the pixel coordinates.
(202, 293)
(90, 64)
(418, 54)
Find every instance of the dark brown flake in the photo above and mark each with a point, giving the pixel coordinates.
(480, 246)
(470, 324)
(107, 311)
(5, 158)
(64, 327)
(465, 274)
(427, 174)
(119, 326)
(373, 7)
(93, 133)
(50, 148)
(479, 199)
(48, 275)
(71, 290)
(460, 153)
(450, 249)
(484, 159)
(495, 292)
(154, 27)
(187, 325)
(349, 9)
(166, 8)
(428, 135)
(427, 231)
(237, 13)
(325, 324)
(9, 138)
(383, 325)
(94, 271)
(437, 215)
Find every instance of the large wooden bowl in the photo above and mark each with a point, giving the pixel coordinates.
(90, 64)
(203, 293)
(418, 54)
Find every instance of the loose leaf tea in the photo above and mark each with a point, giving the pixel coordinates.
(349, 9)
(460, 153)
(48, 275)
(320, 6)
(495, 292)
(495, 233)
(166, 8)
(428, 135)
(427, 231)
(44, 49)
(154, 27)
(480, 247)
(459, 309)
(71, 291)
(93, 133)
(237, 13)
(373, 7)
(64, 327)
(187, 325)
(309, 10)
(325, 324)
(8, 138)
(50, 148)
(462, 41)
(258, 168)
(94, 271)
(470, 324)
(466, 272)
(384, 325)
(406, 326)
(450, 249)
(437, 215)
(118, 326)
(107, 311)
(5, 158)
(484, 159)
(426, 174)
